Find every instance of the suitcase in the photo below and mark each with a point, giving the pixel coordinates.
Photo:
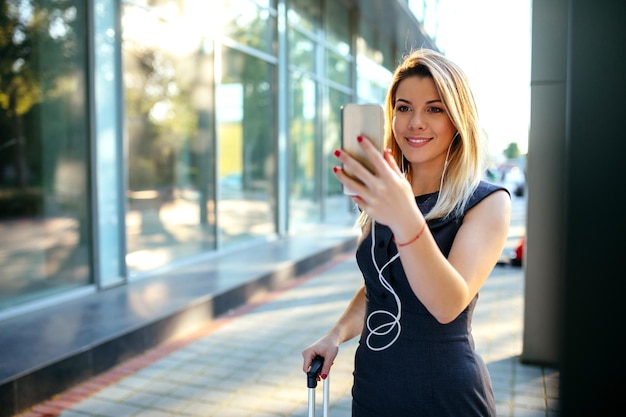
(311, 377)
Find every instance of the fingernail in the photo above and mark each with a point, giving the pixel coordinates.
(335, 169)
(324, 376)
(337, 152)
(359, 139)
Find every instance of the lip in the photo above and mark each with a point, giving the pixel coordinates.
(417, 141)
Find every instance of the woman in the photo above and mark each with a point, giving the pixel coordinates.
(433, 230)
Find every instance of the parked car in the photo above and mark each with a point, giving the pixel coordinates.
(517, 255)
(515, 181)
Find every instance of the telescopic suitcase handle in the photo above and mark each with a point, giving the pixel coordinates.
(314, 370)
(311, 382)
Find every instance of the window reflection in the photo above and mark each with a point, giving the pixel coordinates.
(301, 51)
(303, 152)
(245, 115)
(44, 224)
(168, 108)
(373, 78)
(336, 203)
(338, 27)
(338, 68)
(314, 193)
(199, 134)
(305, 14)
(332, 141)
(249, 24)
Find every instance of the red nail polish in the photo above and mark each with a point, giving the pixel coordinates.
(337, 152)
(324, 376)
(335, 169)
(359, 139)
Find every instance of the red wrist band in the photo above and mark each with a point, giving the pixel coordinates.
(412, 240)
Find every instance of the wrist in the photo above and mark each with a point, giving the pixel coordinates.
(406, 239)
(335, 336)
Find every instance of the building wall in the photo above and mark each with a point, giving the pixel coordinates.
(135, 135)
(574, 270)
(546, 162)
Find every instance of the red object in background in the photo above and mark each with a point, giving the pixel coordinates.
(518, 254)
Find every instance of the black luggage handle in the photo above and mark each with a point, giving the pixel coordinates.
(314, 370)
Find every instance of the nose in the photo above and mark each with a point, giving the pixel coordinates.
(416, 122)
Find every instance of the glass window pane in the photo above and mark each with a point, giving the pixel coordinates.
(338, 54)
(338, 68)
(373, 81)
(168, 111)
(245, 123)
(304, 206)
(338, 208)
(373, 78)
(338, 26)
(44, 158)
(332, 138)
(305, 14)
(250, 25)
(301, 51)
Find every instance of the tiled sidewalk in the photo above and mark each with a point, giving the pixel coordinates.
(249, 364)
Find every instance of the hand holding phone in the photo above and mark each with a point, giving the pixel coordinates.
(365, 120)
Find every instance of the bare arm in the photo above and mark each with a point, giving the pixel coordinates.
(347, 327)
(444, 286)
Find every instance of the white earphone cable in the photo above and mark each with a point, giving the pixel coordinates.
(394, 323)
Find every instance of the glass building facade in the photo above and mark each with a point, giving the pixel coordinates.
(138, 134)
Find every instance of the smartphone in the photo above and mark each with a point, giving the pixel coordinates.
(365, 120)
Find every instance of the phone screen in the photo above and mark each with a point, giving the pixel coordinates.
(361, 120)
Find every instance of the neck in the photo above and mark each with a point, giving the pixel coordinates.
(425, 181)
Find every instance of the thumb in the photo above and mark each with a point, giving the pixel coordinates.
(308, 358)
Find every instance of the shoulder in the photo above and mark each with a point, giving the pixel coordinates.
(492, 203)
(486, 189)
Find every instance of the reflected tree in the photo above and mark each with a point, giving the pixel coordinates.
(256, 77)
(40, 44)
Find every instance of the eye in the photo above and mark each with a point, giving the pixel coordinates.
(401, 108)
(436, 110)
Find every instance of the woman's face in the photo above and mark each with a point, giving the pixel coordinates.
(421, 125)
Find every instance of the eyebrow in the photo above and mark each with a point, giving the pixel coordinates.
(428, 102)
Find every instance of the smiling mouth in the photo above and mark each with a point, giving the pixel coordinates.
(417, 141)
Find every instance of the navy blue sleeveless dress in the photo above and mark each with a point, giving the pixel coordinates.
(407, 364)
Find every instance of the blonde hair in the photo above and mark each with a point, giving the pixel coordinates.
(468, 153)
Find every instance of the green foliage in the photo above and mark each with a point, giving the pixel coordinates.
(512, 151)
